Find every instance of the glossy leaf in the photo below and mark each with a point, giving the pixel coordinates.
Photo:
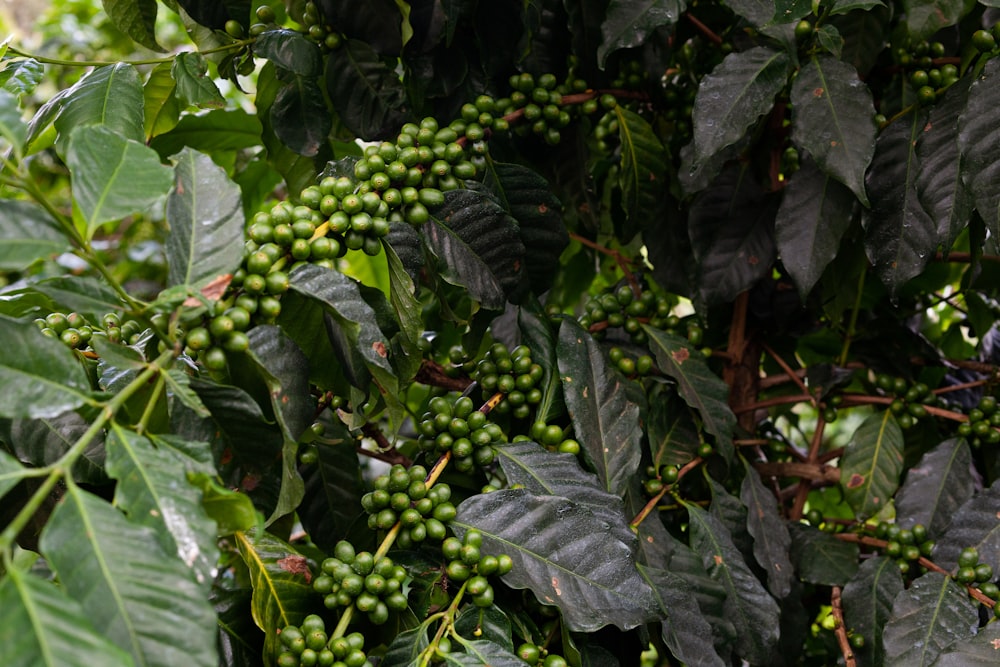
(900, 236)
(733, 97)
(129, 588)
(629, 24)
(290, 51)
(13, 130)
(700, 388)
(282, 585)
(87, 296)
(926, 17)
(757, 12)
(484, 652)
(40, 626)
(834, 119)
(406, 648)
(788, 11)
(936, 487)
(538, 334)
(194, 86)
(771, 540)
(479, 244)
(565, 554)
(109, 96)
(605, 419)
(643, 173)
(42, 442)
(978, 651)
(979, 143)
(489, 623)
(299, 116)
(41, 376)
(748, 607)
(299, 171)
(368, 96)
(820, 558)
(27, 234)
(868, 599)
(205, 214)
(135, 18)
(333, 490)
(974, 524)
(926, 618)
(231, 511)
(814, 214)
(402, 296)
(11, 472)
(863, 25)
(113, 177)
(210, 131)
(19, 77)
(161, 109)
(685, 631)
(671, 430)
(871, 464)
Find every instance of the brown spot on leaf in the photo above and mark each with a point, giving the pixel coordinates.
(543, 209)
(833, 144)
(217, 287)
(681, 355)
(718, 559)
(585, 391)
(379, 348)
(753, 260)
(555, 586)
(818, 92)
(296, 565)
(927, 127)
(995, 643)
(855, 481)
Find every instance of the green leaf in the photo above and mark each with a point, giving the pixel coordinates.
(789, 11)
(974, 524)
(751, 610)
(231, 510)
(13, 130)
(368, 95)
(42, 442)
(605, 419)
(900, 236)
(22, 76)
(734, 96)
(41, 376)
(926, 618)
(179, 384)
(814, 214)
(643, 174)
(479, 244)
(148, 491)
(489, 623)
(834, 119)
(402, 296)
(685, 631)
(85, 295)
(926, 17)
(561, 551)
(194, 85)
(979, 143)
(484, 652)
(27, 234)
(731, 226)
(868, 598)
(979, 651)
(700, 388)
(109, 97)
(40, 626)
(282, 585)
(298, 171)
(871, 464)
(771, 540)
(936, 487)
(333, 489)
(300, 117)
(253, 438)
(290, 51)
(537, 333)
(137, 595)
(670, 428)
(135, 18)
(820, 558)
(406, 648)
(11, 472)
(864, 30)
(210, 131)
(845, 6)
(205, 214)
(161, 108)
(112, 176)
(629, 24)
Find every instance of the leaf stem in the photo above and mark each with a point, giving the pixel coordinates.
(852, 326)
(235, 46)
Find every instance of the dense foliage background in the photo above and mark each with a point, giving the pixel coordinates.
(555, 332)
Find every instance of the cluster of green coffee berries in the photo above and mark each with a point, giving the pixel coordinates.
(76, 332)
(512, 373)
(984, 420)
(308, 644)
(905, 545)
(972, 572)
(985, 41)
(628, 307)
(466, 563)
(926, 77)
(402, 496)
(223, 329)
(552, 437)
(373, 586)
(909, 402)
(539, 100)
(538, 656)
(460, 429)
(658, 478)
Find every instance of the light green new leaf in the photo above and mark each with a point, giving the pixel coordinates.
(113, 177)
(135, 18)
(27, 234)
(194, 85)
(40, 626)
(41, 377)
(643, 167)
(136, 594)
(205, 214)
(231, 510)
(628, 24)
(871, 464)
(13, 129)
(926, 618)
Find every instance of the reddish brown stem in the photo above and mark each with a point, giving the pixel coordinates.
(841, 630)
(704, 29)
(655, 500)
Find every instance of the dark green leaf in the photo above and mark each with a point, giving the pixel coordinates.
(685, 631)
(149, 492)
(368, 96)
(42, 442)
(299, 116)
(179, 384)
(484, 652)
(979, 142)
(406, 648)
(214, 14)
(161, 108)
(864, 30)
(402, 295)
(112, 176)
(788, 11)
(643, 175)
(900, 236)
(926, 17)
(979, 651)
(19, 77)
(13, 130)
(565, 554)
(290, 51)
(926, 618)
(700, 388)
(205, 214)
(974, 524)
(734, 96)
(405, 240)
(380, 23)
(82, 294)
(253, 437)
(194, 86)
(731, 515)
(868, 598)
(281, 580)
(820, 558)
(41, 376)
(298, 171)
(135, 18)
(489, 623)
(672, 433)
(210, 131)
(731, 226)
(629, 24)
(137, 595)
(845, 6)
(333, 490)
(538, 335)
(27, 233)
(771, 540)
(479, 244)
(285, 370)
(834, 119)
(751, 610)
(815, 212)
(40, 626)
(829, 38)
(936, 487)
(605, 419)
(871, 464)
(11, 472)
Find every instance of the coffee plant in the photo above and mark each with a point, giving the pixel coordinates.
(562, 332)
